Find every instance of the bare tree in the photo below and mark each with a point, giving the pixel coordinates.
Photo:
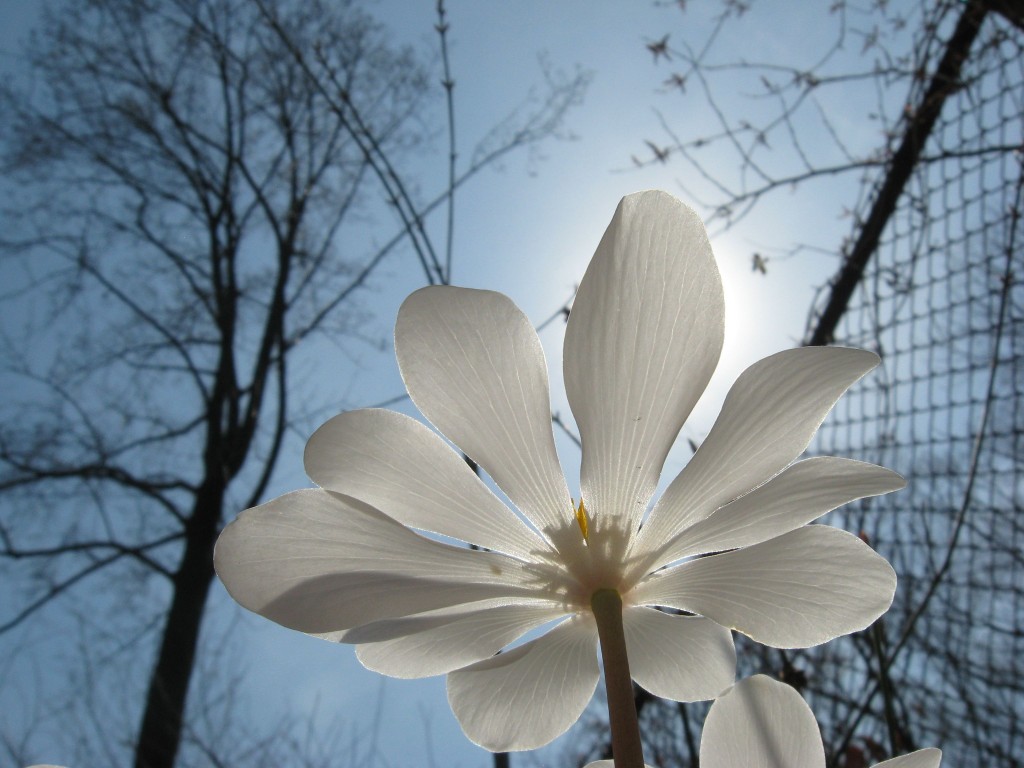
(192, 187)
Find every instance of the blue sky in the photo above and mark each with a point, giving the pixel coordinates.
(528, 230)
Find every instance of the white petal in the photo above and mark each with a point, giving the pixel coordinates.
(801, 589)
(606, 764)
(768, 418)
(397, 465)
(796, 496)
(761, 723)
(643, 339)
(683, 658)
(530, 695)
(319, 563)
(474, 366)
(421, 646)
(923, 758)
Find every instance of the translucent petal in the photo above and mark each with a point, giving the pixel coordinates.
(474, 366)
(318, 562)
(796, 496)
(530, 695)
(761, 723)
(420, 646)
(923, 758)
(683, 658)
(397, 465)
(643, 339)
(767, 420)
(801, 589)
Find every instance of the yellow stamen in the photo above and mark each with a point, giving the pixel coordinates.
(581, 519)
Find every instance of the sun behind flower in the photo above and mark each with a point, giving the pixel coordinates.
(644, 336)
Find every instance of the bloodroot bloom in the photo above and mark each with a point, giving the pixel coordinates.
(345, 561)
(762, 723)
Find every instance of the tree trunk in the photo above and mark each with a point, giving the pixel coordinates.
(160, 734)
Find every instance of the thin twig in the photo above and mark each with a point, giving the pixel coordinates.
(449, 87)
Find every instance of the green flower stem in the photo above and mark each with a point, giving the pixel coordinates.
(626, 747)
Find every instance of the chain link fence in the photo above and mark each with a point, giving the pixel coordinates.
(939, 296)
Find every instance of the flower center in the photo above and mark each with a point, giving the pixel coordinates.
(581, 520)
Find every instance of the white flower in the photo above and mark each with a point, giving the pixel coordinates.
(642, 341)
(762, 723)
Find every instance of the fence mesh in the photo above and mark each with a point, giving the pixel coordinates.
(942, 302)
